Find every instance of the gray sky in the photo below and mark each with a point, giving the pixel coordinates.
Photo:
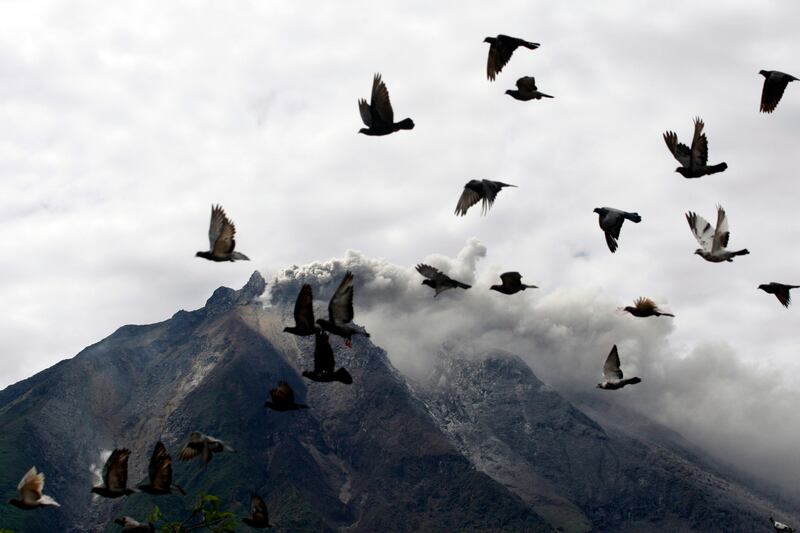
(121, 124)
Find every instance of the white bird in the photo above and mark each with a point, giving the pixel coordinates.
(30, 492)
(612, 373)
(779, 526)
(713, 241)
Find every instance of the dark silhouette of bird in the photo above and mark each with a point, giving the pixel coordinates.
(340, 313)
(484, 191)
(129, 525)
(780, 526)
(645, 307)
(378, 115)
(527, 90)
(282, 398)
(204, 446)
(512, 283)
(303, 314)
(160, 473)
(259, 516)
(324, 363)
(220, 237)
(611, 223)
(30, 489)
(780, 291)
(115, 475)
(713, 241)
(500, 50)
(612, 373)
(694, 161)
(775, 83)
(437, 281)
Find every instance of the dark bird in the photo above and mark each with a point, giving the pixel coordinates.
(220, 238)
(437, 281)
(115, 475)
(160, 473)
(283, 398)
(204, 446)
(612, 374)
(377, 115)
(611, 223)
(259, 516)
(324, 363)
(644, 307)
(129, 525)
(775, 83)
(30, 489)
(303, 314)
(500, 50)
(340, 313)
(512, 283)
(479, 190)
(780, 291)
(526, 90)
(713, 241)
(694, 162)
(780, 526)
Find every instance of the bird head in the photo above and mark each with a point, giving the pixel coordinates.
(763, 287)
(429, 283)
(699, 251)
(363, 130)
(629, 309)
(765, 74)
(509, 91)
(489, 40)
(495, 287)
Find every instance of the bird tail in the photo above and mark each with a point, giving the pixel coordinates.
(238, 256)
(545, 95)
(463, 285)
(180, 489)
(740, 252)
(632, 381)
(666, 314)
(405, 124)
(343, 376)
(633, 217)
(530, 45)
(47, 500)
(529, 287)
(717, 168)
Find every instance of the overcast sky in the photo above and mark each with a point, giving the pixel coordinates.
(121, 124)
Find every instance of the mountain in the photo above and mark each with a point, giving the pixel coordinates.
(483, 445)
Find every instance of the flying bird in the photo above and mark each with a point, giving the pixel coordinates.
(713, 241)
(780, 526)
(282, 398)
(775, 83)
(512, 283)
(644, 307)
(484, 191)
(30, 489)
(378, 115)
(259, 516)
(220, 237)
(303, 314)
(129, 525)
(500, 50)
(527, 90)
(115, 475)
(612, 374)
(324, 363)
(160, 473)
(205, 446)
(780, 291)
(611, 223)
(694, 161)
(340, 313)
(437, 281)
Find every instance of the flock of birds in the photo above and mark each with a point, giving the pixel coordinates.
(378, 117)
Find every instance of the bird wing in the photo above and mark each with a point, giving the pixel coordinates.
(511, 279)
(323, 353)
(190, 451)
(644, 304)
(380, 103)
(31, 486)
(340, 308)
(490, 190)
(115, 471)
(159, 452)
(772, 92)
(258, 509)
(699, 145)
(701, 229)
(282, 393)
(304, 308)
(782, 293)
(430, 272)
(366, 113)
(469, 197)
(499, 53)
(611, 368)
(162, 479)
(220, 232)
(721, 233)
(527, 83)
(679, 151)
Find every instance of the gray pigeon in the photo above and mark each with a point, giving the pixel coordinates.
(115, 475)
(611, 223)
(500, 50)
(780, 527)
(526, 90)
(129, 525)
(341, 313)
(780, 291)
(775, 83)
(220, 237)
(612, 373)
(378, 115)
(259, 516)
(325, 363)
(160, 473)
(204, 446)
(694, 161)
(303, 314)
(437, 281)
(30, 489)
(282, 398)
(512, 283)
(484, 191)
